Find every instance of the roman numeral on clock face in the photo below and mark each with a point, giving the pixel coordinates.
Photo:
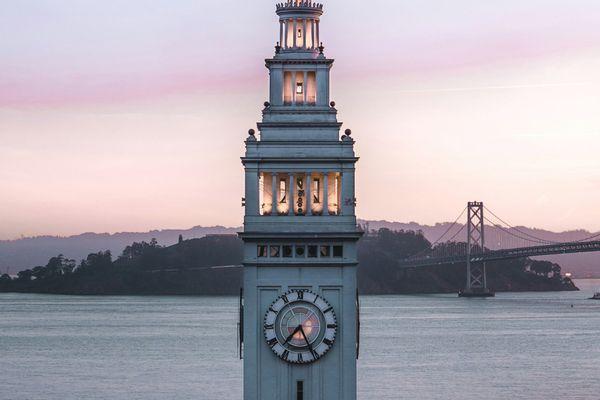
(285, 299)
(326, 311)
(300, 295)
(330, 326)
(272, 342)
(285, 355)
(270, 326)
(327, 342)
(300, 358)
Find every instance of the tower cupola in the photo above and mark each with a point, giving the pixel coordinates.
(299, 26)
(300, 316)
(299, 71)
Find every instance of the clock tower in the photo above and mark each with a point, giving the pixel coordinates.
(300, 316)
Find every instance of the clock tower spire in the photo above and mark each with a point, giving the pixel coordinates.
(300, 317)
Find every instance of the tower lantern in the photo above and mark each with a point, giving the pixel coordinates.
(300, 317)
(299, 26)
(299, 70)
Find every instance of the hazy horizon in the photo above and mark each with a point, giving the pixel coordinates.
(190, 228)
(126, 116)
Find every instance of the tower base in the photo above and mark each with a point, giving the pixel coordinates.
(470, 293)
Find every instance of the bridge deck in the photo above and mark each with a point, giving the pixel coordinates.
(506, 254)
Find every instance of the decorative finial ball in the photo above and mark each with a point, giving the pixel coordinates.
(267, 104)
(332, 104)
(251, 132)
(348, 132)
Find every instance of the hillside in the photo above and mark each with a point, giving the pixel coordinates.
(28, 252)
(20, 254)
(583, 265)
(188, 268)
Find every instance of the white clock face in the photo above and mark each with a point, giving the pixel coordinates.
(300, 327)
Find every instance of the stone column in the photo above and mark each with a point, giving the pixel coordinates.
(291, 194)
(252, 191)
(321, 82)
(281, 33)
(325, 193)
(309, 193)
(275, 194)
(295, 33)
(287, 32)
(318, 34)
(304, 43)
(312, 33)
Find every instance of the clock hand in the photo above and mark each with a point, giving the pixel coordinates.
(292, 334)
(307, 342)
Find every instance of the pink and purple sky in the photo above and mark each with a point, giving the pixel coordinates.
(130, 115)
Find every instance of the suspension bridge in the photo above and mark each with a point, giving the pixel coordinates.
(513, 243)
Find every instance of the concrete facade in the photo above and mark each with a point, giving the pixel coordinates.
(300, 230)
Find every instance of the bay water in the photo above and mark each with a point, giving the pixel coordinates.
(516, 346)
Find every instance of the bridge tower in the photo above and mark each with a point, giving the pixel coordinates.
(476, 272)
(300, 316)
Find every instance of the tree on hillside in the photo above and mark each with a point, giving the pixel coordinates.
(60, 266)
(96, 262)
(544, 268)
(25, 275)
(143, 255)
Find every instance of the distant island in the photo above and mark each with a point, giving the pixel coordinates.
(25, 253)
(210, 266)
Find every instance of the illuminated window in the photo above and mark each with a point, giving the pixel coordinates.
(299, 33)
(282, 191)
(325, 252)
(316, 192)
(300, 88)
(275, 251)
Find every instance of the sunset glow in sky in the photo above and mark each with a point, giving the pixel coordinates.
(130, 115)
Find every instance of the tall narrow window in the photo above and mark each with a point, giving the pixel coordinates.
(288, 89)
(316, 191)
(282, 191)
(300, 196)
(311, 88)
(300, 33)
(300, 88)
(268, 198)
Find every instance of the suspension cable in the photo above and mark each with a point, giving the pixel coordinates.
(515, 235)
(588, 238)
(441, 237)
(518, 230)
(450, 228)
(538, 238)
(456, 234)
